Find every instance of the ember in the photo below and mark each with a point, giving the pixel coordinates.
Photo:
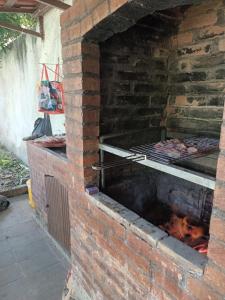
(192, 235)
(183, 228)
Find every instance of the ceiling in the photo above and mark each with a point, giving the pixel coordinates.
(35, 7)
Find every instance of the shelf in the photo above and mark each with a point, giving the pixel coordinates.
(180, 172)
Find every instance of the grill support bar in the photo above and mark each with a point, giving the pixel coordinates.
(191, 176)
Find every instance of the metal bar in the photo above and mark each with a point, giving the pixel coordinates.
(195, 177)
(54, 72)
(102, 171)
(108, 136)
(167, 17)
(102, 157)
(163, 133)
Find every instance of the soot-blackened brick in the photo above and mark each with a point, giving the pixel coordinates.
(193, 76)
(147, 88)
(136, 75)
(132, 76)
(133, 100)
(216, 101)
(220, 74)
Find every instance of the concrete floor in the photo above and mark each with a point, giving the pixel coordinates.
(31, 268)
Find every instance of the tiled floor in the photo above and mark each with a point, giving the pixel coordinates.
(31, 268)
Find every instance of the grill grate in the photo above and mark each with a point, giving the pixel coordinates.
(203, 145)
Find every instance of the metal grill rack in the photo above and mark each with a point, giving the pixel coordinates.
(203, 145)
(175, 170)
(145, 156)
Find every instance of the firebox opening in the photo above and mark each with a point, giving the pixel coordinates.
(153, 88)
(180, 208)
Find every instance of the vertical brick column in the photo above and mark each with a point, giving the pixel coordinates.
(82, 109)
(215, 271)
(198, 20)
(82, 86)
(82, 102)
(81, 69)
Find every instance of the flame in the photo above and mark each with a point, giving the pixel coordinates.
(183, 230)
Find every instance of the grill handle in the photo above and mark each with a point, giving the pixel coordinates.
(117, 163)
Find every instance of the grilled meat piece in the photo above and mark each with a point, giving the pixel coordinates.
(174, 148)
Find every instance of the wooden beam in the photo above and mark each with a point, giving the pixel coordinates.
(16, 10)
(9, 3)
(55, 3)
(41, 25)
(20, 29)
(41, 10)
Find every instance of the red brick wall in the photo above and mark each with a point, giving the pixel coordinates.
(110, 259)
(42, 162)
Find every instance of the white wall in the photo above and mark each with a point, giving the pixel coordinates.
(19, 75)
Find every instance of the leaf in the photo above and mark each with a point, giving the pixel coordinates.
(6, 35)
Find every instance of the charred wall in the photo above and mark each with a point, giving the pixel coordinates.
(159, 63)
(134, 77)
(197, 71)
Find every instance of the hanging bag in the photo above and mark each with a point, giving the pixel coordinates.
(51, 94)
(57, 91)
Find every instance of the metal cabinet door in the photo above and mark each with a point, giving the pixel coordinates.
(58, 212)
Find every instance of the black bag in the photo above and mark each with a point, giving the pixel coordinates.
(42, 126)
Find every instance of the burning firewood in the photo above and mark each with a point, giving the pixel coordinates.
(182, 229)
(177, 227)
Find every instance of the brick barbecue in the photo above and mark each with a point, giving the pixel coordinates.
(137, 66)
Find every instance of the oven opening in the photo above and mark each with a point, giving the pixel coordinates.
(160, 122)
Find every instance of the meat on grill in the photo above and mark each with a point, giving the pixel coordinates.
(174, 148)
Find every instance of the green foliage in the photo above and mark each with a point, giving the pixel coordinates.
(5, 163)
(6, 160)
(6, 35)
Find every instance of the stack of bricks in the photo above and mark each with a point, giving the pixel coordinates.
(110, 258)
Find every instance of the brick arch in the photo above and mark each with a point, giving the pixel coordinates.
(98, 20)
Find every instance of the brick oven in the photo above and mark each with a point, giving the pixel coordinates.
(138, 72)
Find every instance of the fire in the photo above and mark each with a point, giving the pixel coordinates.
(182, 229)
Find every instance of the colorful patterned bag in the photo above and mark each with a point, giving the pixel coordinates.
(51, 93)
